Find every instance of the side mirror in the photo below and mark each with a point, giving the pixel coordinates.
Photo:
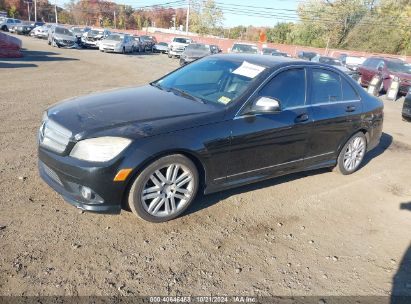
(266, 105)
(379, 69)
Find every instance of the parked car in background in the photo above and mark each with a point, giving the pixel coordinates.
(79, 31)
(388, 69)
(306, 55)
(41, 32)
(161, 47)
(352, 62)
(246, 48)
(337, 63)
(406, 108)
(215, 48)
(61, 37)
(138, 45)
(92, 38)
(149, 42)
(268, 51)
(218, 123)
(280, 54)
(195, 51)
(25, 28)
(6, 24)
(177, 46)
(117, 43)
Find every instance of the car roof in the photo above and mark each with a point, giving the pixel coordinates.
(271, 61)
(267, 61)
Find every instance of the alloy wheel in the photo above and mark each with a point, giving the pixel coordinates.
(168, 190)
(354, 153)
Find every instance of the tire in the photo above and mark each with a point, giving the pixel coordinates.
(352, 154)
(170, 56)
(4, 28)
(124, 50)
(164, 190)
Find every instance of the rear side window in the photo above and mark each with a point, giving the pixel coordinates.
(329, 87)
(348, 91)
(326, 86)
(288, 87)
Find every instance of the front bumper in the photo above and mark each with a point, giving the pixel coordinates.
(65, 43)
(67, 175)
(110, 48)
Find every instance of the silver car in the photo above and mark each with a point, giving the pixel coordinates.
(117, 43)
(61, 37)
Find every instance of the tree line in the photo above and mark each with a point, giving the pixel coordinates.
(366, 25)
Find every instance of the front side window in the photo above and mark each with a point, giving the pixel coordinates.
(288, 88)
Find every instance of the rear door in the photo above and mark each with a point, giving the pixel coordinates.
(336, 109)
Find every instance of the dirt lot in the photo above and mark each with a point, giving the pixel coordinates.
(317, 233)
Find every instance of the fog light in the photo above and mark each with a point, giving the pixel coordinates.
(86, 193)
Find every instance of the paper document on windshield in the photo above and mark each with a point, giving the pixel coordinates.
(248, 70)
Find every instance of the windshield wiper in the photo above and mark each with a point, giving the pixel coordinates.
(186, 94)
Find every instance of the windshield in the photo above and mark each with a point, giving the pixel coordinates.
(198, 47)
(77, 30)
(114, 37)
(163, 43)
(399, 66)
(62, 31)
(181, 40)
(330, 61)
(212, 80)
(245, 48)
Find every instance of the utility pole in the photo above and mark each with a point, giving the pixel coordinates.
(28, 9)
(55, 11)
(188, 16)
(35, 10)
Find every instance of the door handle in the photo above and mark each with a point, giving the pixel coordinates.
(301, 118)
(350, 109)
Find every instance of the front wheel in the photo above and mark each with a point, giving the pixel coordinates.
(352, 154)
(164, 189)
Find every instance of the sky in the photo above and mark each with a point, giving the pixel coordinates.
(283, 10)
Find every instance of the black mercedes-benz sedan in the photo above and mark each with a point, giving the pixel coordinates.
(220, 122)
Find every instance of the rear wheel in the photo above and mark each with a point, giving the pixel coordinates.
(164, 189)
(352, 154)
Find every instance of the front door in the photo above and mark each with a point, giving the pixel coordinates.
(264, 145)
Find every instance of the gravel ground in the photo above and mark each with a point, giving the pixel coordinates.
(315, 233)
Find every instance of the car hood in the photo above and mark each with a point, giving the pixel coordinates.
(196, 53)
(132, 113)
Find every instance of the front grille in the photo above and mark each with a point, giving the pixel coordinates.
(53, 136)
(53, 175)
(69, 42)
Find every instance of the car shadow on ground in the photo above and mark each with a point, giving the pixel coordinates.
(205, 201)
(385, 143)
(32, 56)
(401, 284)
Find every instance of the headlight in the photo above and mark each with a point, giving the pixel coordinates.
(99, 149)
